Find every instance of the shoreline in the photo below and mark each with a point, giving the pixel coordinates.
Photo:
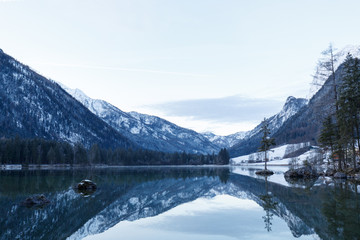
(14, 167)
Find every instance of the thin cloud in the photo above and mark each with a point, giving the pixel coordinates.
(233, 109)
(123, 69)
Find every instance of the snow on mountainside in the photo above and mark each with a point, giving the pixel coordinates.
(33, 106)
(291, 107)
(225, 141)
(150, 132)
(252, 138)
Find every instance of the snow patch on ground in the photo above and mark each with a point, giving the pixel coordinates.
(276, 155)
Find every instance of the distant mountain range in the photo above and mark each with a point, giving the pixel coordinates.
(225, 141)
(155, 133)
(33, 106)
(147, 131)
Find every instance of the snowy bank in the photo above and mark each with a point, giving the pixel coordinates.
(289, 154)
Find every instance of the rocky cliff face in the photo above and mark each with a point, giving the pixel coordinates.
(251, 141)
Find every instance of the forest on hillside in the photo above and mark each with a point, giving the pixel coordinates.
(39, 151)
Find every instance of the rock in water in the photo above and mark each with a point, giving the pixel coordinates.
(86, 185)
(86, 188)
(304, 172)
(37, 201)
(264, 172)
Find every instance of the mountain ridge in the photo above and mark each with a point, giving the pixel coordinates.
(33, 106)
(150, 132)
(251, 141)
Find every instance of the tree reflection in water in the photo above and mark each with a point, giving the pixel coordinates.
(269, 206)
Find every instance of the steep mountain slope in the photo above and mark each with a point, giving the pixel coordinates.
(252, 139)
(33, 106)
(147, 131)
(306, 124)
(303, 124)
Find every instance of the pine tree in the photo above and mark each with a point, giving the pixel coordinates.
(266, 140)
(51, 156)
(349, 106)
(327, 137)
(223, 157)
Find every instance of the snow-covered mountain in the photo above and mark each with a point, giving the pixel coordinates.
(291, 107)
(33, 106)
(225, 141)
(147, 131)
(251, 140)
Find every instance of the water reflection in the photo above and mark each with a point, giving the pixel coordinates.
(175, 203)
(269, 205)
(220, 217)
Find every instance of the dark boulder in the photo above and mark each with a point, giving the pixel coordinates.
(303, 172)
(264, 172)
(86, 185)
(86, 188)
(35, 201)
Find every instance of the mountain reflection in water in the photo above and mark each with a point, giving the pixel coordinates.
(176, 203)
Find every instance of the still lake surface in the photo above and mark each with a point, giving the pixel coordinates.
(177, 203)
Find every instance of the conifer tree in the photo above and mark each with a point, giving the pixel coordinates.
(349, 106)
(266, 140)
(327, 137)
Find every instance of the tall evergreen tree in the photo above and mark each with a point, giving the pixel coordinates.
(266, 140)
(327, 137)
(349, 106)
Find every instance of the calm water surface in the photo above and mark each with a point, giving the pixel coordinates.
(177, 203)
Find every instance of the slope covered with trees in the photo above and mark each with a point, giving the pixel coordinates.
(39, 151)
(341, 129)
(33, 106)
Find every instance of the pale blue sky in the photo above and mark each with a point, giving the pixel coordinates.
(144, 55)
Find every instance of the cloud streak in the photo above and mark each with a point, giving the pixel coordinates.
(123, 69)
(232, 109)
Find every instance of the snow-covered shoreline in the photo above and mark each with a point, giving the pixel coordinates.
(277, 156)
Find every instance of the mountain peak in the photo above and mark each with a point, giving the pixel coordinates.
(290, 98)
(293, 102)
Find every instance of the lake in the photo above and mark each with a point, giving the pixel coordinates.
(177, 203)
